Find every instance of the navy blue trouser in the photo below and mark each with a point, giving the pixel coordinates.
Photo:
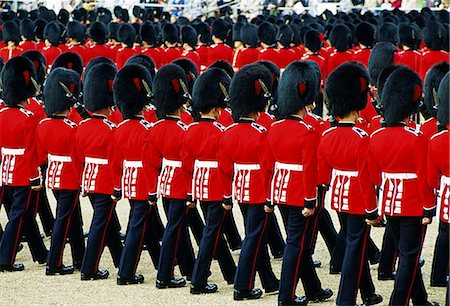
(231, 232)
(131, 253)
(104, 208)
(254, 254)
(76, 236)
(408, 234)
(20, 204)
(44, 210)
(297, 260)
(388, 253)
(66, 204)
(213, 243)
(440, 269)
(176, 245)
(355, 265)
(151, 237)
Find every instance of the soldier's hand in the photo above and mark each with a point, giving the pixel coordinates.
(152, 203)
(227, 207)
(373, 222)
(117, 195)
(426, 220)
(307, 212)
(268, 209)
(36, 188)
(190, 204)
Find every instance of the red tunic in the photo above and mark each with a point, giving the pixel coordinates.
(362, 56)
(241, 160)
(26, 45)
(439, 171)
(80, 50)
(342, 159)
(57, 146)
(369, 112)
(170, 54)
(203, 53)
(199, 157)
(409, 58)
(316, 122)
(130, 168)
(154, 54)
(292, 158)
(163, 148)
(219, 52)
(40, 45)
(123, 55)
(287, 56)
(20, 162)
(6, 53)
(375, 125)
(266, 120)
(186, 117)
(429, 127)
(37, 108)
(96, 151)
(398, 165)
(246, 56)
(321, 62)
(430, 58)
(225, 118)
(51, 53)
(96, 50)
(337, 58)
(270, 54)
(193, 56)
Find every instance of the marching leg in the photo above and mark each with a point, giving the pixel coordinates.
(76, 237)
(232, 233)
(44, 210)
(440, 268)
(339, 249)
(388, 256)
(151, 239)
(274, 237)
(114, 239)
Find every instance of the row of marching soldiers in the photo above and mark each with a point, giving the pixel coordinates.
(243, 164)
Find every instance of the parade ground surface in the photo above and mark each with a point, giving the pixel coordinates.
(33, 287)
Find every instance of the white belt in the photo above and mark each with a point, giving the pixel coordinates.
(399, 176)
(445, 180)
(96, 161)
(206, 164)
(171, 163)
(249, 167)
(290, 167)
(132, 164)
(59, 158)
(345, 173)
(7, 151)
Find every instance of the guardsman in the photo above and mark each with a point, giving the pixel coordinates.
(293, 163)
(189, 41)
(409, 38)
(39, 26)
(19, 166)
(287, 55)
(52, 36)
(438, 178)
(434, 38)
(126, 36)
(312, 52)
(149, 48)
(342, 161)
(221, 29)
(365, 37)
(76, 33)
(410, 208)
(11, 37)
(340, 37)
(199, 155)
(98, 34)
(204, 37)
(27, 35)
(431, 84)
(131, 92)
(249, 38)
(171, 38)
(246, 179)
(56, 148)
(167, 175)
(268, 37)
(95, 151)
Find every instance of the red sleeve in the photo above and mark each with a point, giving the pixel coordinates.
(309, 162)
(373, 167)
(434, 174)
(367, 189)
(31, 155)
(324, 169)
(420, 160)
(152, 161)
(226, 169)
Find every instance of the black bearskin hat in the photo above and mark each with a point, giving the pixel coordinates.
(98, 32)
(27, 29)
(299, 86)
(221, 29)
(69, 60)
(401, 95)
(18, 80)
(113, 29)
(52, 33)
(236, 36)
(433, 35)
(95, 61)
(285, 35)
(384, 75)
(130, 91)
(388, 33)
(170, 33)
(10, 32)
(76, 30)
(168, 90)
(148, 33)
(55, 97)
(312, 40)
(267, 33)
(443, 109)
(365, 34)
(431, 84)
(409, 35)
(382, 54)
(98, 87)
(341, 37)
(275, 72)
(190, 69)
(346, 88)
(225, 66)
(126, 35)
(247, 94)
(189, 36)
(40, 64)
(143, 60)
(204, 32)
(63, 16)
(249, 35)
(39, 26)
(209, 90)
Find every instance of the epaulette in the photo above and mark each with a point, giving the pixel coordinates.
(318, 118)
(219, 126)
(377, 131)
(182, 125)
(329, 130)
(26, 112)
(70, 123)
(309, 127)
(3, 109)
(412, 131)
(439, 134)
(360, 132)
(110, 124)
(258, 127)
(145, 124)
